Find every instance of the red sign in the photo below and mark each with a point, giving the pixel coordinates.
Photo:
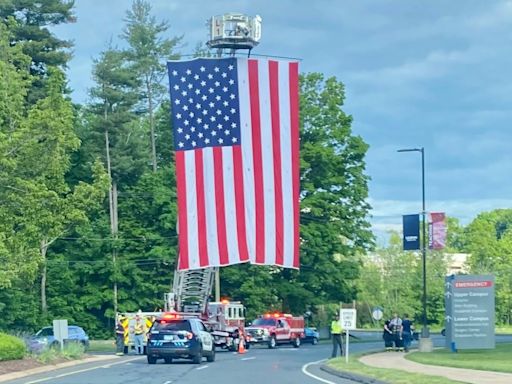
(473, 284)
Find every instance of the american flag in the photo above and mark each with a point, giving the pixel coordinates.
(236, 136)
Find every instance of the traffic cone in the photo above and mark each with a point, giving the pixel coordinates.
(241, 346)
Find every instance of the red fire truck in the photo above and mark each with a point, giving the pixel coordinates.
(276, 328)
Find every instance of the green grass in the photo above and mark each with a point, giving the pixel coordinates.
(506, 329)
(394, 376)
(484, 359)
(71, 351)
(101, 346)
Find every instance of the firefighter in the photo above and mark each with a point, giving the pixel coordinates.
(336, 336)
(139, 332)
(120, 336)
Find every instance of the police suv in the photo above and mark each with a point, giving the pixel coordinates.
(174, 336)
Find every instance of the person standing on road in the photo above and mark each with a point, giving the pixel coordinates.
(396, 327)
(407, 329)
(387, 335)
(119, 337)
(139, 332)
(336, 336)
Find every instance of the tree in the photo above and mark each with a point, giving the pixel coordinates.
(28, 22)
(334, 229)
(488, 239)
(148, 53)
(18, 260)
(393, 279)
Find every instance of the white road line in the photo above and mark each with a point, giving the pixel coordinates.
(168, 382)
(80, 371)
(203, 367)
(305, 367)
(248, 358)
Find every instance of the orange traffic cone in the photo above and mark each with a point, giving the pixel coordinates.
(241, 346)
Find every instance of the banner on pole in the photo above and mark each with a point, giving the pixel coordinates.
(437, 230)
(411, 232)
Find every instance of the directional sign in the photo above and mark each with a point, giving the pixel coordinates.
(470, 311)
(348, 317)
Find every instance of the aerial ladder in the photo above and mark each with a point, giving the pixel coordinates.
(191, 290)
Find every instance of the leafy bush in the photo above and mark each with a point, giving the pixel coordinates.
(11, 348)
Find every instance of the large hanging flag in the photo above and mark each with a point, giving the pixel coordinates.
(437, 230)
(236, 136)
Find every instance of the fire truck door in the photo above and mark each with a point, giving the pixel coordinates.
(282, 330)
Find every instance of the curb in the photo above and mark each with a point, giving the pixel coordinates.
(351, 376)
(51, 367)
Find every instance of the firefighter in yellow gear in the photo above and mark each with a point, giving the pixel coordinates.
(139, 333)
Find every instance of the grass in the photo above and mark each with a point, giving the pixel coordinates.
(394, 376)
(504, 329)
(101, 346)
(497, 359)
(71, 351)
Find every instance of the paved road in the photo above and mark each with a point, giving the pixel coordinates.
(284, 365)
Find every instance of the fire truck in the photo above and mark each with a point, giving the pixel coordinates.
(189, 297)
(276, 328)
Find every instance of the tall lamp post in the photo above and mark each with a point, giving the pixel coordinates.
(425, 334)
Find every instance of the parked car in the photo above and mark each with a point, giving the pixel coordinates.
(311, 335)
(44, 338)
(176, 337)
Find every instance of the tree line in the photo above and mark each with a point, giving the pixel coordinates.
(88, 194)
(88, 212)
(393, 278)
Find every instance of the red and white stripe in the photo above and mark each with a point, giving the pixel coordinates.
(241, 203)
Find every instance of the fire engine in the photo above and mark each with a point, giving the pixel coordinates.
(276, 328)
(189, 297)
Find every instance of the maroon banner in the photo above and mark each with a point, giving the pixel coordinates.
(437, 226)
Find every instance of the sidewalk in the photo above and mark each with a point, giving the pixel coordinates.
(51, 367)
(396, 360)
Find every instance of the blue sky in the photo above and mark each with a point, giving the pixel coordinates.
(417, 73)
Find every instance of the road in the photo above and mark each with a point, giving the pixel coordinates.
(283, 365)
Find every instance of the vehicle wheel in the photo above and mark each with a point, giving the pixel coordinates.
(296, 342)
(199, 357)
(211, 357)
(272, 342)
(168, 360)
(314, 341)
(151, 360)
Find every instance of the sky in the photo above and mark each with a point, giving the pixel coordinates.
(434, 74)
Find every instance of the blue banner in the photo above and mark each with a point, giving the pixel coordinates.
(411, 230)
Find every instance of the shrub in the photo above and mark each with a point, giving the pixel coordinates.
(11, 348)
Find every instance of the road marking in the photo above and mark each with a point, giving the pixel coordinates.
(203, 367)
(168, 382)
(305, 367)
(248, 358)
(80, 371)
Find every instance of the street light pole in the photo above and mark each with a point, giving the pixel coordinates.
(425, 334)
